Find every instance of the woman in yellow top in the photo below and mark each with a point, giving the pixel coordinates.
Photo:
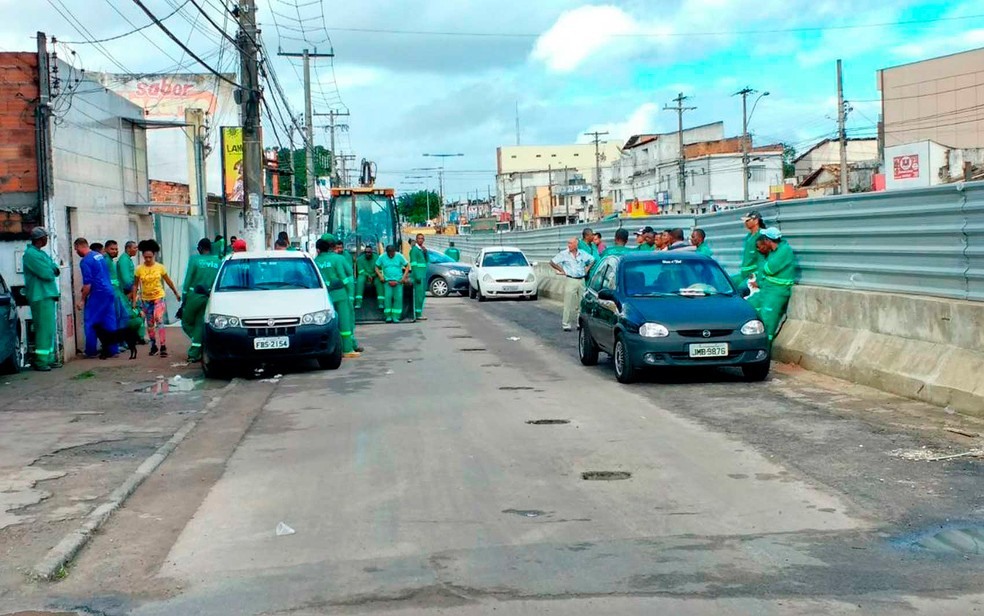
(150, 277)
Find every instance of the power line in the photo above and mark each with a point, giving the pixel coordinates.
(536, 35)
(126, 34)
(170, 35)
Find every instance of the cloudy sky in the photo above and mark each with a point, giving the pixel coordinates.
(447, 76)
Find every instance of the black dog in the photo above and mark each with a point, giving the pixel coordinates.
(128, 335)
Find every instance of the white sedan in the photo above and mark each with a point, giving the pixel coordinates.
(502, 272)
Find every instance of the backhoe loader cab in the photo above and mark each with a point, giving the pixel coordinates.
(358, 217)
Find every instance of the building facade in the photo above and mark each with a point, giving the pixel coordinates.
(827, 152)
(934, 100)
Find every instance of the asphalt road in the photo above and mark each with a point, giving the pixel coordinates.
(415, 485)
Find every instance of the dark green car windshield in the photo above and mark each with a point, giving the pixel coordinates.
(675, 277)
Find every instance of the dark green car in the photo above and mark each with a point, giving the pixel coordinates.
(669, 309)
(10, 352)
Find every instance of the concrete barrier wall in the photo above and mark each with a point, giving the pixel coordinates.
(926, 348)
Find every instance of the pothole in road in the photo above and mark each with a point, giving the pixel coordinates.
(526, 513)
(949, 540)
(548, 422)
(174, 385)
(605, 475)
(473, 349)
(515, 388)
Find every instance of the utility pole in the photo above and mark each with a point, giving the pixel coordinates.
(841, 118)
(517, 122)
(683, 163)
(597, 143)
(313, 203)
(249, 112)
(332, 114)
(440, 178)
(744, 92)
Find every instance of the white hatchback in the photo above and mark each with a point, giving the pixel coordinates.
(269, 307)
(502, 271)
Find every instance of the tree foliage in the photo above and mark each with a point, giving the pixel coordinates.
(322, 167)
(788, 156)
(413, 207)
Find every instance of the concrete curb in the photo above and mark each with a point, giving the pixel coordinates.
(70, 545)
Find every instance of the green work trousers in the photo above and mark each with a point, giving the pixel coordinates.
(419, 292)
(43, 316)
(393, 301)
(346, 318)
(360, 287)
(193, 323)
(770, 304)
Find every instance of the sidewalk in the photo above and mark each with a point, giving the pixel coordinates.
(73, 435)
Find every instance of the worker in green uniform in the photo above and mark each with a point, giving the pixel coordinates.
(453, 253)
(344, 261)
(621, 243)
(365, 273)
(750, 256)
(219, 247)
(200, 275)
(699, 239)
(126, 273)
(774, 279)
(333, 273)
(587, 244)
(418, 269)
(394, 271)
(41, 286)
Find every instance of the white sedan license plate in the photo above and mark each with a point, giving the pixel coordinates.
(717, 349)
(266, 344)
(509, 288)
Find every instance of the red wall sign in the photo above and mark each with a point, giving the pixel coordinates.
(906, 167)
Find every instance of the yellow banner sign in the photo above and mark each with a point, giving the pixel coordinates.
(232, 162)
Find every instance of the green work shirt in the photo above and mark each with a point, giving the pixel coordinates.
(591, 250)
(453, 254)
(114, 272)
(343, 263)
(126, 272)
(751, 258)
(202, 270)
(219, 248)
(330, 271)
(418, 257)
(617, 250)
(40, 275)
(705, 249)
(778, 270)
(366, 265)
(392, 267)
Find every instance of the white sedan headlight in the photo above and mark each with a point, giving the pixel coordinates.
(316, 318)
(753, 328)
(531, 278)
(653, 330)
(221, 321)
(487, 278)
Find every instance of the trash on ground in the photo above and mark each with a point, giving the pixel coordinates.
(928, 455)
(513, 338)
(177, 383)
(961, 432)
(179, 364)
(283, 529)
(389, 372)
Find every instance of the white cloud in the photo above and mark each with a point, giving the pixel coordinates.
(642, 120)
(579, 34)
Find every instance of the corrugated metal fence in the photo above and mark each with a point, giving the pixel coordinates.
(928, 241)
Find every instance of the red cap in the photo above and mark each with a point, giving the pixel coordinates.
(239, 245)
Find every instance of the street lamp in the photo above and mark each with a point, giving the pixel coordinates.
(440, 178)
(746, 118)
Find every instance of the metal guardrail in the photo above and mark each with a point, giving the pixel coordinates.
(927, 241)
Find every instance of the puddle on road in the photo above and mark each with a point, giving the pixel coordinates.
(175, 385)
(956, 539)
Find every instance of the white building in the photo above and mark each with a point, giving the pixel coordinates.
(649, 170)
(827, 152)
